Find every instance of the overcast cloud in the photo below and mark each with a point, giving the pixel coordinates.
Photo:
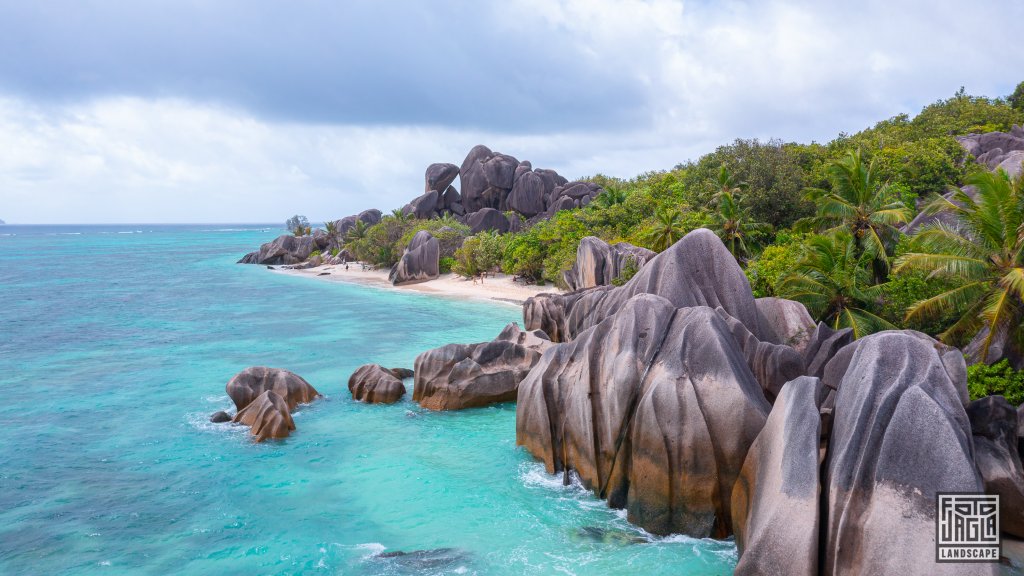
(236, 111)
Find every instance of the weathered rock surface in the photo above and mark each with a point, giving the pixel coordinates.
(771, 364)
(900, 435)
(785, 322)
(776, 498)
(250, 383)
(285, 249)
(374, 384)
(598, 263)
(402, 373)
(487, 219)
(420, 261)
(460, 376)
(267, 416)
(823, 345)
(439, 176)
(994, 423)
(654, 407)
(696, 271)
(423, 207)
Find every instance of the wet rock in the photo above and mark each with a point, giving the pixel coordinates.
(900, 435)
(420, 262)
(994, 424)
(439, 176)
(598, 263)
(609, 536)
(654, 408)
(460, 376)
(402, 373)
(250, 383)
(775, 500)
(267, 417)
(374, 384)
(220, 417)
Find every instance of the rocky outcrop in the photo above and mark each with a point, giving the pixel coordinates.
(420, 261)
(268, 416)
(285, 249)
(439, 177)
(996, 149)
(822, 346)
(367, 217)
(775, 501)
(374, 384)
(785, 322)
(487, 219)
(654, 408)
(460, 376)
(252, 382)
(402, 373)
(994, 423)
(900, 435)
(771, 364)
(423, 207)
(696, 271)
(598, 263)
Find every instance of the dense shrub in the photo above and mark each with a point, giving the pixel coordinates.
(997, 379)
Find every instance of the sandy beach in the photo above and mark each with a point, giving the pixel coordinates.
(495, 288)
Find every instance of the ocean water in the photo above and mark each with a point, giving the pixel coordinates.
(115, 345)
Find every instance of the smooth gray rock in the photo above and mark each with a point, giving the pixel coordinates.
(785, 322)
(450, 198)
(598, 263)
(775, 501)
(250, 383)
(460, 376)
(771, 364)
(527, 196)
(1013, 163)
(423, 207)
(900, 435)
(487, 219)
(439, 176)
(419, 262)
(994, 423)
(374, 384)
(654, 408)
(822, 346)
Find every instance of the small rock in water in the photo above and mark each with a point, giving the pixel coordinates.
(609, 536)
(419, 560)
(324, 274)
(271, 268)
(220, 417)
(402, 373)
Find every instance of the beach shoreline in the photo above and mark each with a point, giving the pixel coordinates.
(498, 288)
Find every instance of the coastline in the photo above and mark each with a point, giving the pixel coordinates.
(498, 288)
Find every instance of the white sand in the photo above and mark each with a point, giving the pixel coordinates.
(496, 287)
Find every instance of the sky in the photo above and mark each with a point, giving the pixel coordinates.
(253, 110)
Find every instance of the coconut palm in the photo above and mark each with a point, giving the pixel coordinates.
(357, 232)
(666, 230)
(610, 197)
(732, 221)
(984, 251)
(860, 203)
(833, 280)
(400, 216)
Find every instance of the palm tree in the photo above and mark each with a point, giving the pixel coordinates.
(984, 252)
(665, 231)
(833, 280)
(732, 221)
(357, 232)
(399, 215)
(610, 197)
(861, 204)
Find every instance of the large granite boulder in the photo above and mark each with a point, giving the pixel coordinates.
(267, 416)
(785, 322)
(994, 423)
(775, 502)
(487, 178)
(374, 384)
(419, 263)
(423, 207)
(460, 376)
(252, 382)
(654, 408)
(285, 249)
(822, 346)
(528, 194)
(771, 364)
(900, 435)
(598, 263)
(696, 271)
(368, 217)
(1012, 163)
(439, 177)
(487, 219)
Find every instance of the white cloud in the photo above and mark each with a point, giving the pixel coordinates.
(708, 73)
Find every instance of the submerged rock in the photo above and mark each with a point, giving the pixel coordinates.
(460, 376)
(220, 417)
(267, 416)
(420, 262)
(375, 384)
(654, 407)
(250, 383)
(419, 561)
(402, 373)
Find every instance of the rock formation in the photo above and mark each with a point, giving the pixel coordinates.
(654, 407)
(419, 262)
(250, 383)
(285, 249)
(439, 177)
(268, 416)
(997, 149)
(598, 263)
(994, 423)
(785, 322)
(374, 384)
(460, 376)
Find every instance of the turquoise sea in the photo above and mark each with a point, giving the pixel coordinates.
(115, 345)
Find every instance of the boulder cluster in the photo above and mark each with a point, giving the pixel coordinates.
(599, 263)
(375, 384)
(997, 150)
(265, 399)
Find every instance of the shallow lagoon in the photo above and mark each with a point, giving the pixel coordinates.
(115, 345)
